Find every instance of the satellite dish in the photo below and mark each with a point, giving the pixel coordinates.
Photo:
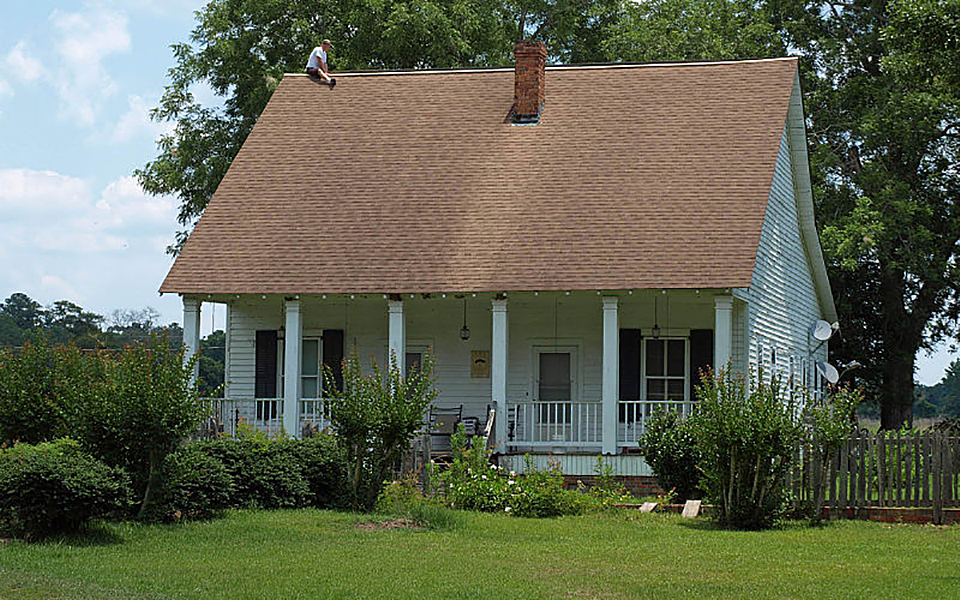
(828, 371)
(822, 330)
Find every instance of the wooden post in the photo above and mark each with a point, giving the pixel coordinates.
(882, 468)
(610, 384)
(498, 372)
(191, 331)
(937, 489)
(292, 347)
(925, 459)
(844, 496)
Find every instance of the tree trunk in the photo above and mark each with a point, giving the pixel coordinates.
(901, 340)
(152, 481)
(896, 399)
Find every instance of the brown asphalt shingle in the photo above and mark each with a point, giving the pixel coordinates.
(636, 177)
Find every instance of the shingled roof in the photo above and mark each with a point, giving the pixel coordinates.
(637, 176)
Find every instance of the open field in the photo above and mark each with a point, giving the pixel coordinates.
(318, 554)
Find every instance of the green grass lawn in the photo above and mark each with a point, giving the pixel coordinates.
(318, 554)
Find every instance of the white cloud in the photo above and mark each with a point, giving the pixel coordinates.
(5, 89)
(102, 248)
(51, 212)
(84, 40)
(24, 192)
(136, 121)
(20, 64)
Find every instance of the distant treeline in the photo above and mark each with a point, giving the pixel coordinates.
(23, 319)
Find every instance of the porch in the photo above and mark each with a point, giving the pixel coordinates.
(566, 372)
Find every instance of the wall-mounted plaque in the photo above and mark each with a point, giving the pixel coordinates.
(480, 363)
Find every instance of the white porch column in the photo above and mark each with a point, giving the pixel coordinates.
(397, 346)
(292, 345)
(722, 332)
(498, 372)
(191, 331)
(610, 385)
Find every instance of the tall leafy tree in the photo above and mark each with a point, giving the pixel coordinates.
(241, 49)
(882, 98)
(692, 30)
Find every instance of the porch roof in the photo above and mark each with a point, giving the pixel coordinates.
(637, 176)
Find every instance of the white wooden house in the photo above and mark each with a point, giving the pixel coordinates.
(602, 232)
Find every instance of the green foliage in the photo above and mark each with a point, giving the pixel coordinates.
(42, 386)
(472, 483)
(54, 488)
(280, 473)
(661, 30)
(607, 491)
(670, 448)
(375, 417)
(746, 438)
(194, 485)
(883, 103)
(145, 408)
(829, 423)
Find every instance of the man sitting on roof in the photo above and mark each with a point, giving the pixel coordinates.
(317, 63)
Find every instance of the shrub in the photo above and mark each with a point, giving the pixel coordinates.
(194, 486)
(374, 418)
(54, 487)
(472, 483)
(828, 427)
(669, 447)
(146, 407)
(41, 387)
(281, 473)
(746, 439)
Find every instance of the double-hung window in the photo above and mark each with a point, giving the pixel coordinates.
(666, 374)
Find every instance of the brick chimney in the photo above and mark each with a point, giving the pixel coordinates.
(528, 96)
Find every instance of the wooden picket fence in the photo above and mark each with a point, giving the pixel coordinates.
(885, 469)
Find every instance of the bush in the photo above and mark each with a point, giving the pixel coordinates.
(54, 488)
(669, 447)
(41, 387)
(747, 439)
(194, 486)
(375, 417)
(147, 405)
(281, 473)
(472, 483)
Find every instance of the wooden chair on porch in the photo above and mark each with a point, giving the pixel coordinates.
(443, 422)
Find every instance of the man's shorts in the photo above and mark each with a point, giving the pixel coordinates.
(313, 71)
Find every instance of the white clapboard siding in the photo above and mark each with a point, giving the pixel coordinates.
(783, 301)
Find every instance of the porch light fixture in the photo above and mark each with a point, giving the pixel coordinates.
(464, 331)
(656, 323)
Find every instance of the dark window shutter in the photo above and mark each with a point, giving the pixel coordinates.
(266, 364)
(701, 355)
(333, 354)
(630, 364)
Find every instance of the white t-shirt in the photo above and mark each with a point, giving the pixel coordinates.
(315, 57)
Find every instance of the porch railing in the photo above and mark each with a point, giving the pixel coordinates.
(554, 424)
(634, 415)
(265, 415)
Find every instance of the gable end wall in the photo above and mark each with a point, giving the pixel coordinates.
(782, 299)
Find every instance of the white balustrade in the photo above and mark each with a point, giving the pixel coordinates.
(266, 415)
(554, 424)
(633, 416)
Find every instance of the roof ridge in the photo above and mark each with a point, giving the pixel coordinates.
(578, 67)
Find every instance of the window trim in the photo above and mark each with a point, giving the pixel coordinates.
(576, 380)
(686, 366)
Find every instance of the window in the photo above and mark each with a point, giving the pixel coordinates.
(310, 374)
(665, 369)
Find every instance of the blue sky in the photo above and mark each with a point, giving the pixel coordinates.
(77, 79)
